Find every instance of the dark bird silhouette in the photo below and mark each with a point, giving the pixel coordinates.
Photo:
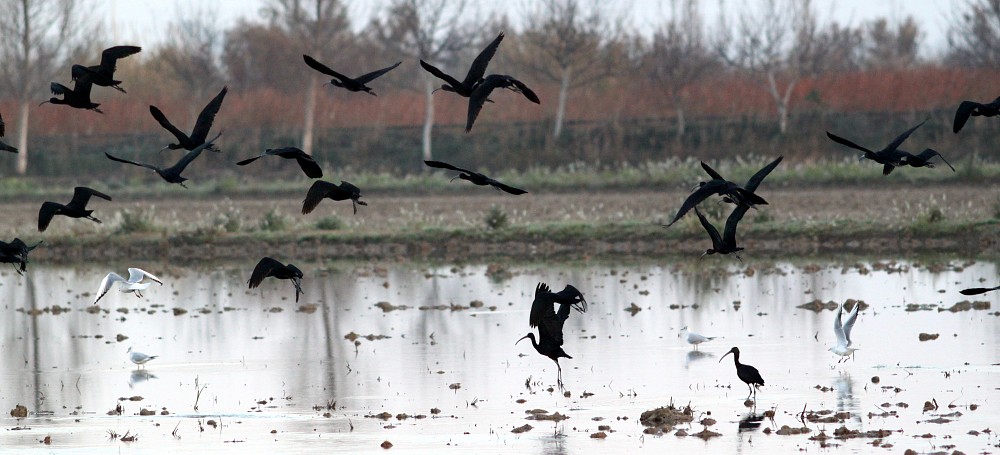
(3, 131)
(746, 373)
(78, 98)
(475, 177)
(972, 108)
(726, 243)
(923, 159)
(550, 323)
(730, 191)
(104, 74)
(171, 174)
(889, 157)
(339, 80)
(475, 75)
(201, 126)
(977, 291)
(16, 252)
(320, 190)
(273, 268)
(306, 162)
(77, 207)
(482, 92)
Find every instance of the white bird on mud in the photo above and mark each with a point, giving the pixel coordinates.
(133, 284)
(139, 358)
(843, 332)
(694, 338)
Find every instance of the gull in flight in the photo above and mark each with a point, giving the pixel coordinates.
(843, 331)
(139, 358)
(135, 284)
(693, 338)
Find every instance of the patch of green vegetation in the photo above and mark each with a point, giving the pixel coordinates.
(135, 222)
(229, 221)
(329, 223)
(273, 222)
(496, 218)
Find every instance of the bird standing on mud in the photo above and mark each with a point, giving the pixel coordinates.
(746, 373)
(550, 323)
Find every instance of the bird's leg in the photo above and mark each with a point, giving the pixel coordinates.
(116, 87)
(182, 184)
(559, 380)
(738, 257)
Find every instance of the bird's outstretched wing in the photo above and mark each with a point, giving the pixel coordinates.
(82, 86)
(45, 214)
(476, 101)
(541, 306)
(207, 117)
(524, 90)
(191, 155)
(507, 188)
(902, 137)
(265, 267)
(478, 68)
(82, 194)
(711, 172)
(316, 193)
(79, 71)
(443, 165)
(250, 160)
(123, 160)
(7, 148)
(977, 291)
(440, 74)
(136, 275)
(366, 78)
(754, 181)
(309, 166)
(323, 68)
(846, 142)
(703, 192)
(712, 231)
(110, 56)
(109, 280)
(58, 89)
(849, 323)
(162, 120)
(729, 234)
(962, 114)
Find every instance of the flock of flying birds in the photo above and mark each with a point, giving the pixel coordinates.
(477, 87)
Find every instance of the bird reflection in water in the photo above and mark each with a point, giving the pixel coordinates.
(138, 376)
(693, 356)
(750, 421)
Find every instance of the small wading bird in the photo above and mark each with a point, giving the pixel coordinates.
(104, 74)
(482, 92)
(746, 373)
(273, 268)
(923, 159)
(843, 332)
(77, 207)
(139, 358)
(889, 157)
(550, 323)
(972, 108)
(78, 98)
(320, 190)
(475, 177)
(134, 284)
(306, 162)
(730, 191)
(692, 338)
(726, 243)
(977, 291)
(339, 80)
(16, 253)
(201, 127)
(475, 75)
(4, 146)
(171, 174)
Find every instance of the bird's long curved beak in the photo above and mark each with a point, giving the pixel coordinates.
(724, 356)
(519, 340)
(43, 102)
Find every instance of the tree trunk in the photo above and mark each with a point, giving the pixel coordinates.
(681, 122)
(561, 109)
(310, 117)
(428, 117)
(780, 101)
(22, 137)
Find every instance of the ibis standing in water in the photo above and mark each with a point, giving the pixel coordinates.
(746, 373)
(843, 332)
(550, 322)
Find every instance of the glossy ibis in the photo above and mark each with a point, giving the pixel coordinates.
(726, 243)
(77, 207)
(16, 253)
(475, 177)
(475, 75)
(201, 126)
(273, 268)
(482, 92)
(139, 358)
(550, 323)
(78, 98)
(171, 174)
(977, 291)
(972, 108)
(4, 146)
(104, 74)
(730, 191)
(135, 283)
(321, 189)
(889, 157)
(843, 332)
(306, 162)
(339, 80)
(923, 158)
(746, 373)
(692, 338)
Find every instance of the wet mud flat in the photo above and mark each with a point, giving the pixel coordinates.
(423, 358)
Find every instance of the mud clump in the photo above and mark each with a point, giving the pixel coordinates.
(786, 430)
(665, 418)
(928, 336)
(522, 429)
(541, 414)
(19, 411)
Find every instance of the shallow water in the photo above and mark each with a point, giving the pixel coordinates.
(265, 370)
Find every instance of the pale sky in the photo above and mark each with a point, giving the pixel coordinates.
(128, 20)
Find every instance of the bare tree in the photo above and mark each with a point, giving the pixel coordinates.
(318, 25)
(974, 34)
(568, 43)
(36, 39)
(430, 30)
(193, 57)
(889, 46)
(679, 55)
